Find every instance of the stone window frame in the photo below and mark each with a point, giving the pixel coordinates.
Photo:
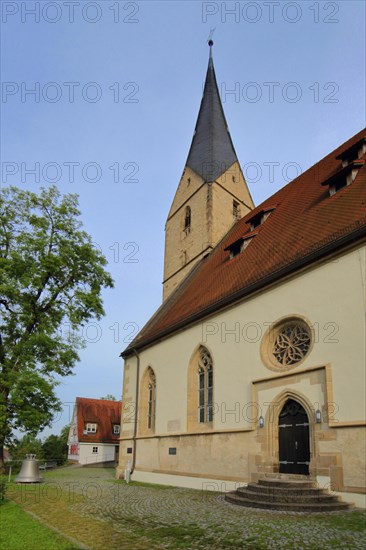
(147, 408)
(269, 338)
(205, 386)
(200, 416)
(187, 220)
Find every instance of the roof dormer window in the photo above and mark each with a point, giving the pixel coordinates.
(239, 245)
(353, 153)
(259, 218)
(344, 177)
(90, 428)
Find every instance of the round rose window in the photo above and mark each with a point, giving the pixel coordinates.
(286, 344)
(292, 344)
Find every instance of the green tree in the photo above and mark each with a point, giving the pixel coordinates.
(64, 435)
(50, 275)
(28, 444)
(109, 397)
(55, 447)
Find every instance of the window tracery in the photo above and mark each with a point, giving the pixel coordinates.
(151, 400)
(205, 386)
(291, 344)
(287, 343)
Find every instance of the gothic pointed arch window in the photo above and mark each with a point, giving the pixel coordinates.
(187, 220)
(151, 400)
(147, 405)
(205, 385)
(200, 395)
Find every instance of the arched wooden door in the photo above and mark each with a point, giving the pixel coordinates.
(293, 436)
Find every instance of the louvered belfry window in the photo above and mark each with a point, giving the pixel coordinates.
(187, 220)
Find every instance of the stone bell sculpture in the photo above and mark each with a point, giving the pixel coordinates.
(29, 472)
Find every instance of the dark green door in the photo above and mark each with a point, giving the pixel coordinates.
(294, 447)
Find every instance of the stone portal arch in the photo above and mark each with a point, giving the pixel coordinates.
(279, 413)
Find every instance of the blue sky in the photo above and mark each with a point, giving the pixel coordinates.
(117, 92)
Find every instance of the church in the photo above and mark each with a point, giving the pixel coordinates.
(254, 364)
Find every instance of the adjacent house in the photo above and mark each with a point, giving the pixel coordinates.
(95, 431)
(255, 361)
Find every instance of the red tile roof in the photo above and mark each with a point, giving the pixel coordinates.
(305, 225)
(104, 413)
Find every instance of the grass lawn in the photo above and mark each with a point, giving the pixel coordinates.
(21, 531)
(89, 506)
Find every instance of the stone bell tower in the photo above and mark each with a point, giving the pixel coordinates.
(212, 193)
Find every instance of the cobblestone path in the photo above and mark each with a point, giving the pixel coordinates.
(169, 517)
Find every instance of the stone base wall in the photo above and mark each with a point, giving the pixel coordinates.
(244, 456)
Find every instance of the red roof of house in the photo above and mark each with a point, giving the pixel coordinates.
(102, 412)
(306, 224)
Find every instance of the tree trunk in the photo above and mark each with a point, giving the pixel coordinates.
(4, 400)
(2, 463)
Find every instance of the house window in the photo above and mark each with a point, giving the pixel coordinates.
(95, 449)
(187, 220)
(205, 387)
(151, 400)
(91, 428)
(116, 429)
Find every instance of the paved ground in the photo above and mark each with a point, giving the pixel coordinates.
(168, 517)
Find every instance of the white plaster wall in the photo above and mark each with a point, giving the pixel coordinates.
(106, 452)
(333, 292)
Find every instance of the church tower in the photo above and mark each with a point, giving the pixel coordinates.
(212, 193)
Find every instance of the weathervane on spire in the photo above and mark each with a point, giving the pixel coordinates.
(209, 40)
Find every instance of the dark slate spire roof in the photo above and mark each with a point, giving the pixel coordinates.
(212, 151)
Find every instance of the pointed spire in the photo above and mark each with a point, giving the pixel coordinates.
(212, 151)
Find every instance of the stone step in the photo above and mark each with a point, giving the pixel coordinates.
(288, 477)
(286, 497)
(234, 498)
(269, 489)
(295, 484)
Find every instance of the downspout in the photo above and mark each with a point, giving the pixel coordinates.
(136, 410)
